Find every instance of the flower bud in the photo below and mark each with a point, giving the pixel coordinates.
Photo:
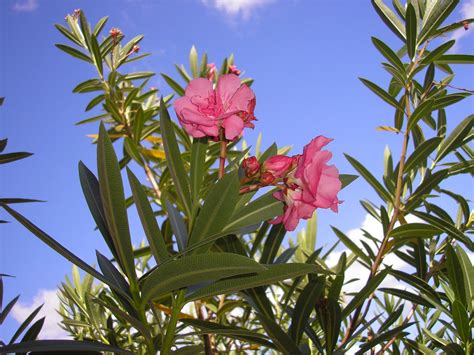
(251, 166)
(115, 32)
(211, 71)
(278, 165)
(135, 48)
(233, 70)
(267, 178)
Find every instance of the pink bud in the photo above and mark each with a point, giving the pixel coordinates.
(279, 165)
(211, 71)
(233, 70)
(251, 166)
(115, 32)
(267, 178)
(135, 48)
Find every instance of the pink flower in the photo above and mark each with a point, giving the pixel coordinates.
(251, 166)
(211, 71)
(313, 184)
(278, 165)
(204, 111)
(233, 70)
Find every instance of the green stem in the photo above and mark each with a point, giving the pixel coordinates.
(170, 330)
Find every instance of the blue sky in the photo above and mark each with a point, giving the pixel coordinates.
(305, 57)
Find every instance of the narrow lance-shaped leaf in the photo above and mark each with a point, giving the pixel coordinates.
(367, 175)
(148, 219)
(303, 307)
(411, 30)
(381, 93)
(275, 273)
(53, 244)
(173, 158)
(217, 209)
(193, 269)
(390, 18)
(198, 159)
(113, 199)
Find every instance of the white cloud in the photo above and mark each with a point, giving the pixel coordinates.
(236, 8)
(25, 5)
(467, 11)
(50, 301)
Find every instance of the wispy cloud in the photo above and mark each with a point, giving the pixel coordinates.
(467, 11)
(25, 5)
(50, 301)
(237, 8)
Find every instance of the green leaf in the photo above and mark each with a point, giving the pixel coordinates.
(416, 230)
(138, 75)
(53, 244)
(275, 273)
(148, 219)
(411, 30)
(198, 170)
(436, 53)
(33, 332)
(194, 269)
(388, 53)
(74, 52)
(173, 84)
(329, 315)
(381, 93)
(193, 61)
(5, 311)
(351, 245)
(272, 243)
(113, 276)
(405, 295)
(281, 340)
(421, 153)
(262, 209)
(113, 199)
(455, 275)
(456, 59)
(365, 292)
(305, 303)
(25, 324)
(468, 272)
(390, 19)
(68, 34)
(455, 139)
(91, 191)
(395, 332)
(421, 111)
(173, 159)
(439, 12)
(229, 331)
(60, 345)
(461, 321)
(9, 157)
(347, 179)
(448, 100)
(367, 175)
(217, 209)
(100, 25)
(446, 227)
(178, 226)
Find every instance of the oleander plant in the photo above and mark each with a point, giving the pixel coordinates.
(218, 273)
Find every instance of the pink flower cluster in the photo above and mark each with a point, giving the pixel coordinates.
(221, 111)
(305, 181)
(205, 111)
